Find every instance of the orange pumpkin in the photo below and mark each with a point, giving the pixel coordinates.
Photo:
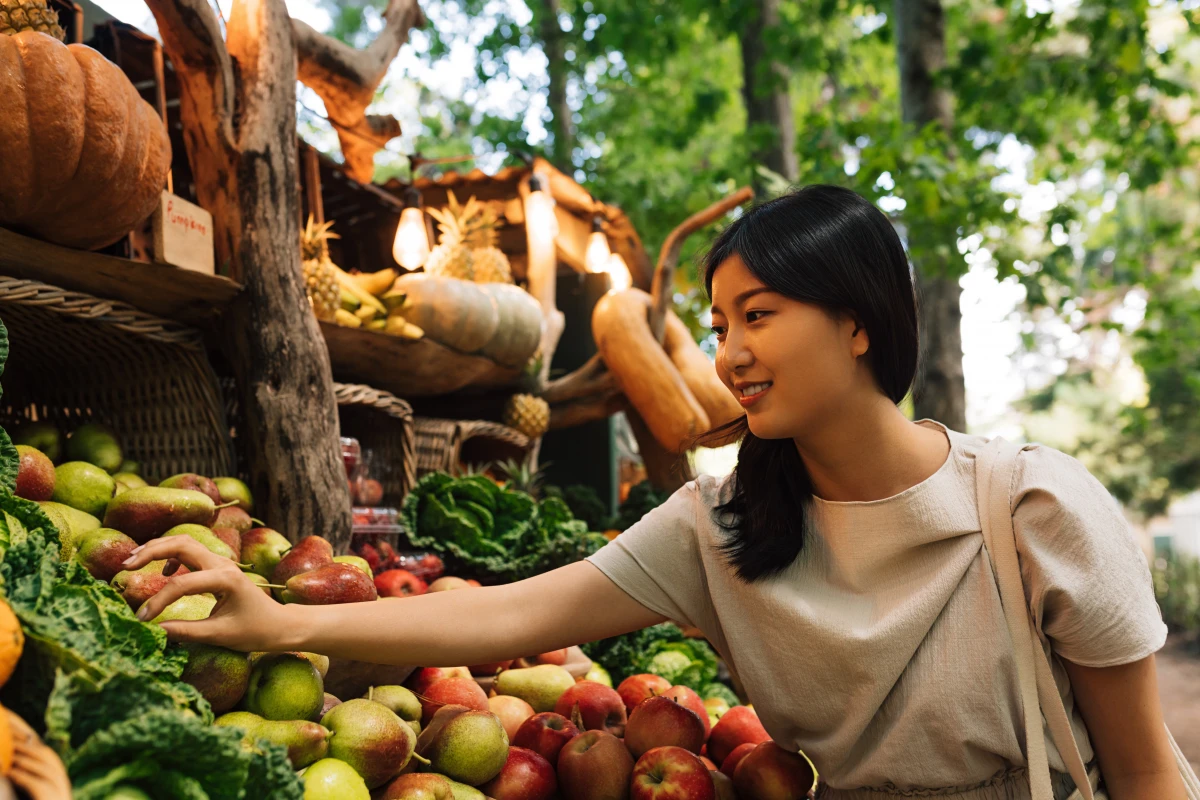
(12, 641)
(84, 156)
(6, 743)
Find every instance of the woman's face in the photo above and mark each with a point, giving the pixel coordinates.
(787, 362)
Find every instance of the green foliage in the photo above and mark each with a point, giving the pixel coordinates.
(585, 504)
(660, 650)
(492, 533)
(1177, 589)
(642, 499)
(722, 691)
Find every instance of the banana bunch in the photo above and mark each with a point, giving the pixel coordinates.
(367, 301)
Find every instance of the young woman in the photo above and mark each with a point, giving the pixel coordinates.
(839, 571)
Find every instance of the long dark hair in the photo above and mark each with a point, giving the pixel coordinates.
(828, 246)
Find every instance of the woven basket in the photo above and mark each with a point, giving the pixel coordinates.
(75, 358)
(382, 423)
(445, 445)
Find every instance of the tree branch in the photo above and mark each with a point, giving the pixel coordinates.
(668, 257)
(592, 378)
(588, 409)
(346, 79)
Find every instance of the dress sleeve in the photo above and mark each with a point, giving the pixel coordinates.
(1088, 581)
(657, 561)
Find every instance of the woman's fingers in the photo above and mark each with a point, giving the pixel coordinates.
(184, 549)
(218, 581)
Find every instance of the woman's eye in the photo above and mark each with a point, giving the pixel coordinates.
(755, 316)
(718, 330)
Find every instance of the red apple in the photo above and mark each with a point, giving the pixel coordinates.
(724, 785)
(738, 726)
(452, 692)
(545, 734)
(422, 679)
(595, 766)
(473, 582)
(686, 697)
(448, 583)
(637, 688)
(512, 711)
(671, 773)
(771, 773)
(487, 670)
(525, 776)
(733, 759)
(662, 722)
(600, 708)
(418, 787)
(399, 583)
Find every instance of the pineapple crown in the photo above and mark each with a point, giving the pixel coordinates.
(472, 224)
(314, 239)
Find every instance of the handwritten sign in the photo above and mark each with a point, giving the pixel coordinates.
(183, 235)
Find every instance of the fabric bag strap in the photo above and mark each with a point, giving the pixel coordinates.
(995, 466)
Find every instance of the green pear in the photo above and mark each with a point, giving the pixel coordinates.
(233, 490)
(285, 686)
(331, 779)
(126, 792)
(72, 525)
(598, 674)
(221, 675)
(131, 467)
(357, 561)
(103, 552)
(403, 703)
(261, 581)
(370, 738)
(95, 444)
(83, 486)
(204, 536)
(463, 792)
(150, 511)
(131, 480)
(263, 548)
(139, 585)
(42, 436)
(540, 686)
(190, 607)
(306, 742)
(471, 748)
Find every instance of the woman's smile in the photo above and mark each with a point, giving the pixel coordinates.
(750, 393)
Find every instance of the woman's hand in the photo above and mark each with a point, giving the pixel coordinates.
(244, 618)
(36, 769)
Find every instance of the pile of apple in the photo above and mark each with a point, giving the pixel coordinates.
(544, 735)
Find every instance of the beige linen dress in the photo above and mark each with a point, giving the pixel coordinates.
(882, 651)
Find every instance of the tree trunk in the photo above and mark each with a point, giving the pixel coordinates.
(562, 125)
(921, 53)
(769, 120)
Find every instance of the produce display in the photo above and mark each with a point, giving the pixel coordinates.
(490, 532)
(467, 248)
(86, 157)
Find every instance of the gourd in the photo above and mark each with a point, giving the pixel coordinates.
(503, 323)
(644, 371)
(698, 372)
(85, 158)
(12, 640)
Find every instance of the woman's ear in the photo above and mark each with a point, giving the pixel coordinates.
(860, 341)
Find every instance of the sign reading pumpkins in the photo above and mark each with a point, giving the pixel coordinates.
(183, 235)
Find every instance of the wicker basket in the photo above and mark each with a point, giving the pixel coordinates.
(444, 445)
(75, 358)
(382, 423)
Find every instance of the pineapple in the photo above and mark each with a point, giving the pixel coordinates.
(320, 274)
(521, 475)
(467, 249)
(528, 414)
(29, 15)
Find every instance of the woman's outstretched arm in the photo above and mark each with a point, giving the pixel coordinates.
(570, 605)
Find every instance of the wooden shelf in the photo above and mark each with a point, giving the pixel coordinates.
(168, 292)
(408, 368)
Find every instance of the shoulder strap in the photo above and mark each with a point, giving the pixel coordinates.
(994, 470)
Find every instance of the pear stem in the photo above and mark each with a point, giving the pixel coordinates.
(420, 758)
(270, 586)
(227, 505)
(261, 524)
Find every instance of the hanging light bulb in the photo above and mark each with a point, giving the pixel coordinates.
(411, 247)
(618, 272)
(539, 208)
(597, 248)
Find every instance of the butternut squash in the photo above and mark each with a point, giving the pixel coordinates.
(85, 158)
(644, 371)
(12, 641)
(698, 372)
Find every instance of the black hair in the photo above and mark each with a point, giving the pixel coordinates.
(827, 246)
